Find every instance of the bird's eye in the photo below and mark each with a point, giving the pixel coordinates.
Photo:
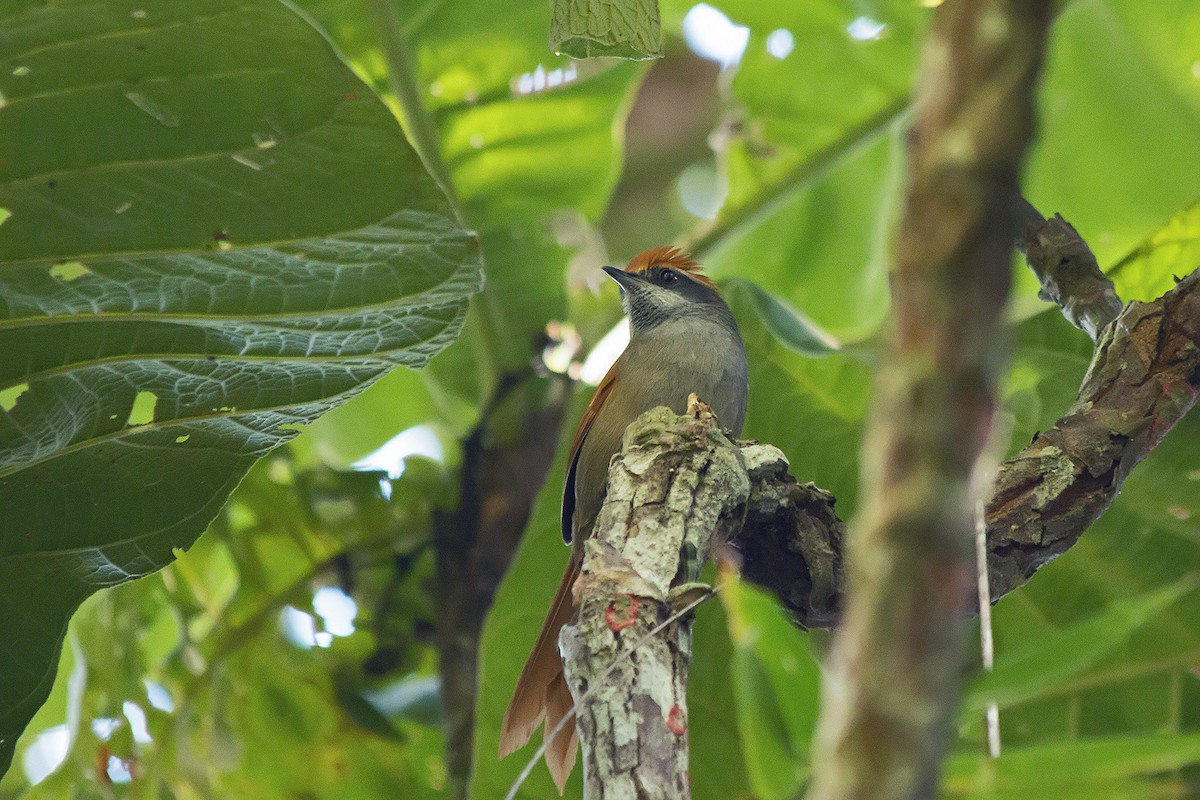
(668, 277)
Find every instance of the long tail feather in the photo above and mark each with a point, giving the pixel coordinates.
(544, 667)
(561, 750)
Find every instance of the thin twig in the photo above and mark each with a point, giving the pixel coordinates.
(986, 644)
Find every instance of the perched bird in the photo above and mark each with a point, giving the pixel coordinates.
(683, 339)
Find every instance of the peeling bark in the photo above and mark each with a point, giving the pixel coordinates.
(1144, 377)
(792, 541)
(678, 487)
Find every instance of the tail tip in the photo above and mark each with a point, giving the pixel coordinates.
(513, 738)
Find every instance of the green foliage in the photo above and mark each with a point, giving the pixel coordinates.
(808, 221)
(1027, 671)
(774, 677)
(531, 169)
(782, 321)
(192, 266)
(513, 623)
(1093, 656)
(620, 28)
(243, 704)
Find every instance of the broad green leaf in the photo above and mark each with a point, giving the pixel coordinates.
(718, 770)
(395, 402)
(250, 242)
(1167, 41)
(847, 68)
(1164, 493)
(1049, 359)
(1150, 268)
(776, 687)
(811, 408)
(526, 166)
(1090, 149)
(1116, 767)
(532, 145)
(231, 673)
(824, 248)
(814, 171)
(615, 28)
(1043, 661)
(1148, 540)
(787, 324)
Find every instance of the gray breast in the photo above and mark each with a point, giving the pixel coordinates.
(704, 357)
(657, 369)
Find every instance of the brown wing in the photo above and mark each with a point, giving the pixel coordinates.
(589, 417)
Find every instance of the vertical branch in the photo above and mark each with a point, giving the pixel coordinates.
(678, 483)
(894, 675)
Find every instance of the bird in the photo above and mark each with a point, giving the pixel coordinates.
(683, 339)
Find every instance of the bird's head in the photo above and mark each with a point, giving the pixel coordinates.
(665, 284)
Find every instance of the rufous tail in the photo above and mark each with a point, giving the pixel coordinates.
(542, 692)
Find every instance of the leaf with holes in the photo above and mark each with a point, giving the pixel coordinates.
(215, 232)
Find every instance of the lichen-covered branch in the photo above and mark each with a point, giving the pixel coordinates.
(1144, 377)
(678, 486)
(893, 675)
(1067, 271)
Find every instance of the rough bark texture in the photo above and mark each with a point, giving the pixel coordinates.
(893, 678)
(678, 486)
(1067, 271)
(1144, 377)
(791, 542)
(474, 545)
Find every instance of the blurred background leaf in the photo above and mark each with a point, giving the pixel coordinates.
(770, 138)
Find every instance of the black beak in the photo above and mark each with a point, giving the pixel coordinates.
(626, 280)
